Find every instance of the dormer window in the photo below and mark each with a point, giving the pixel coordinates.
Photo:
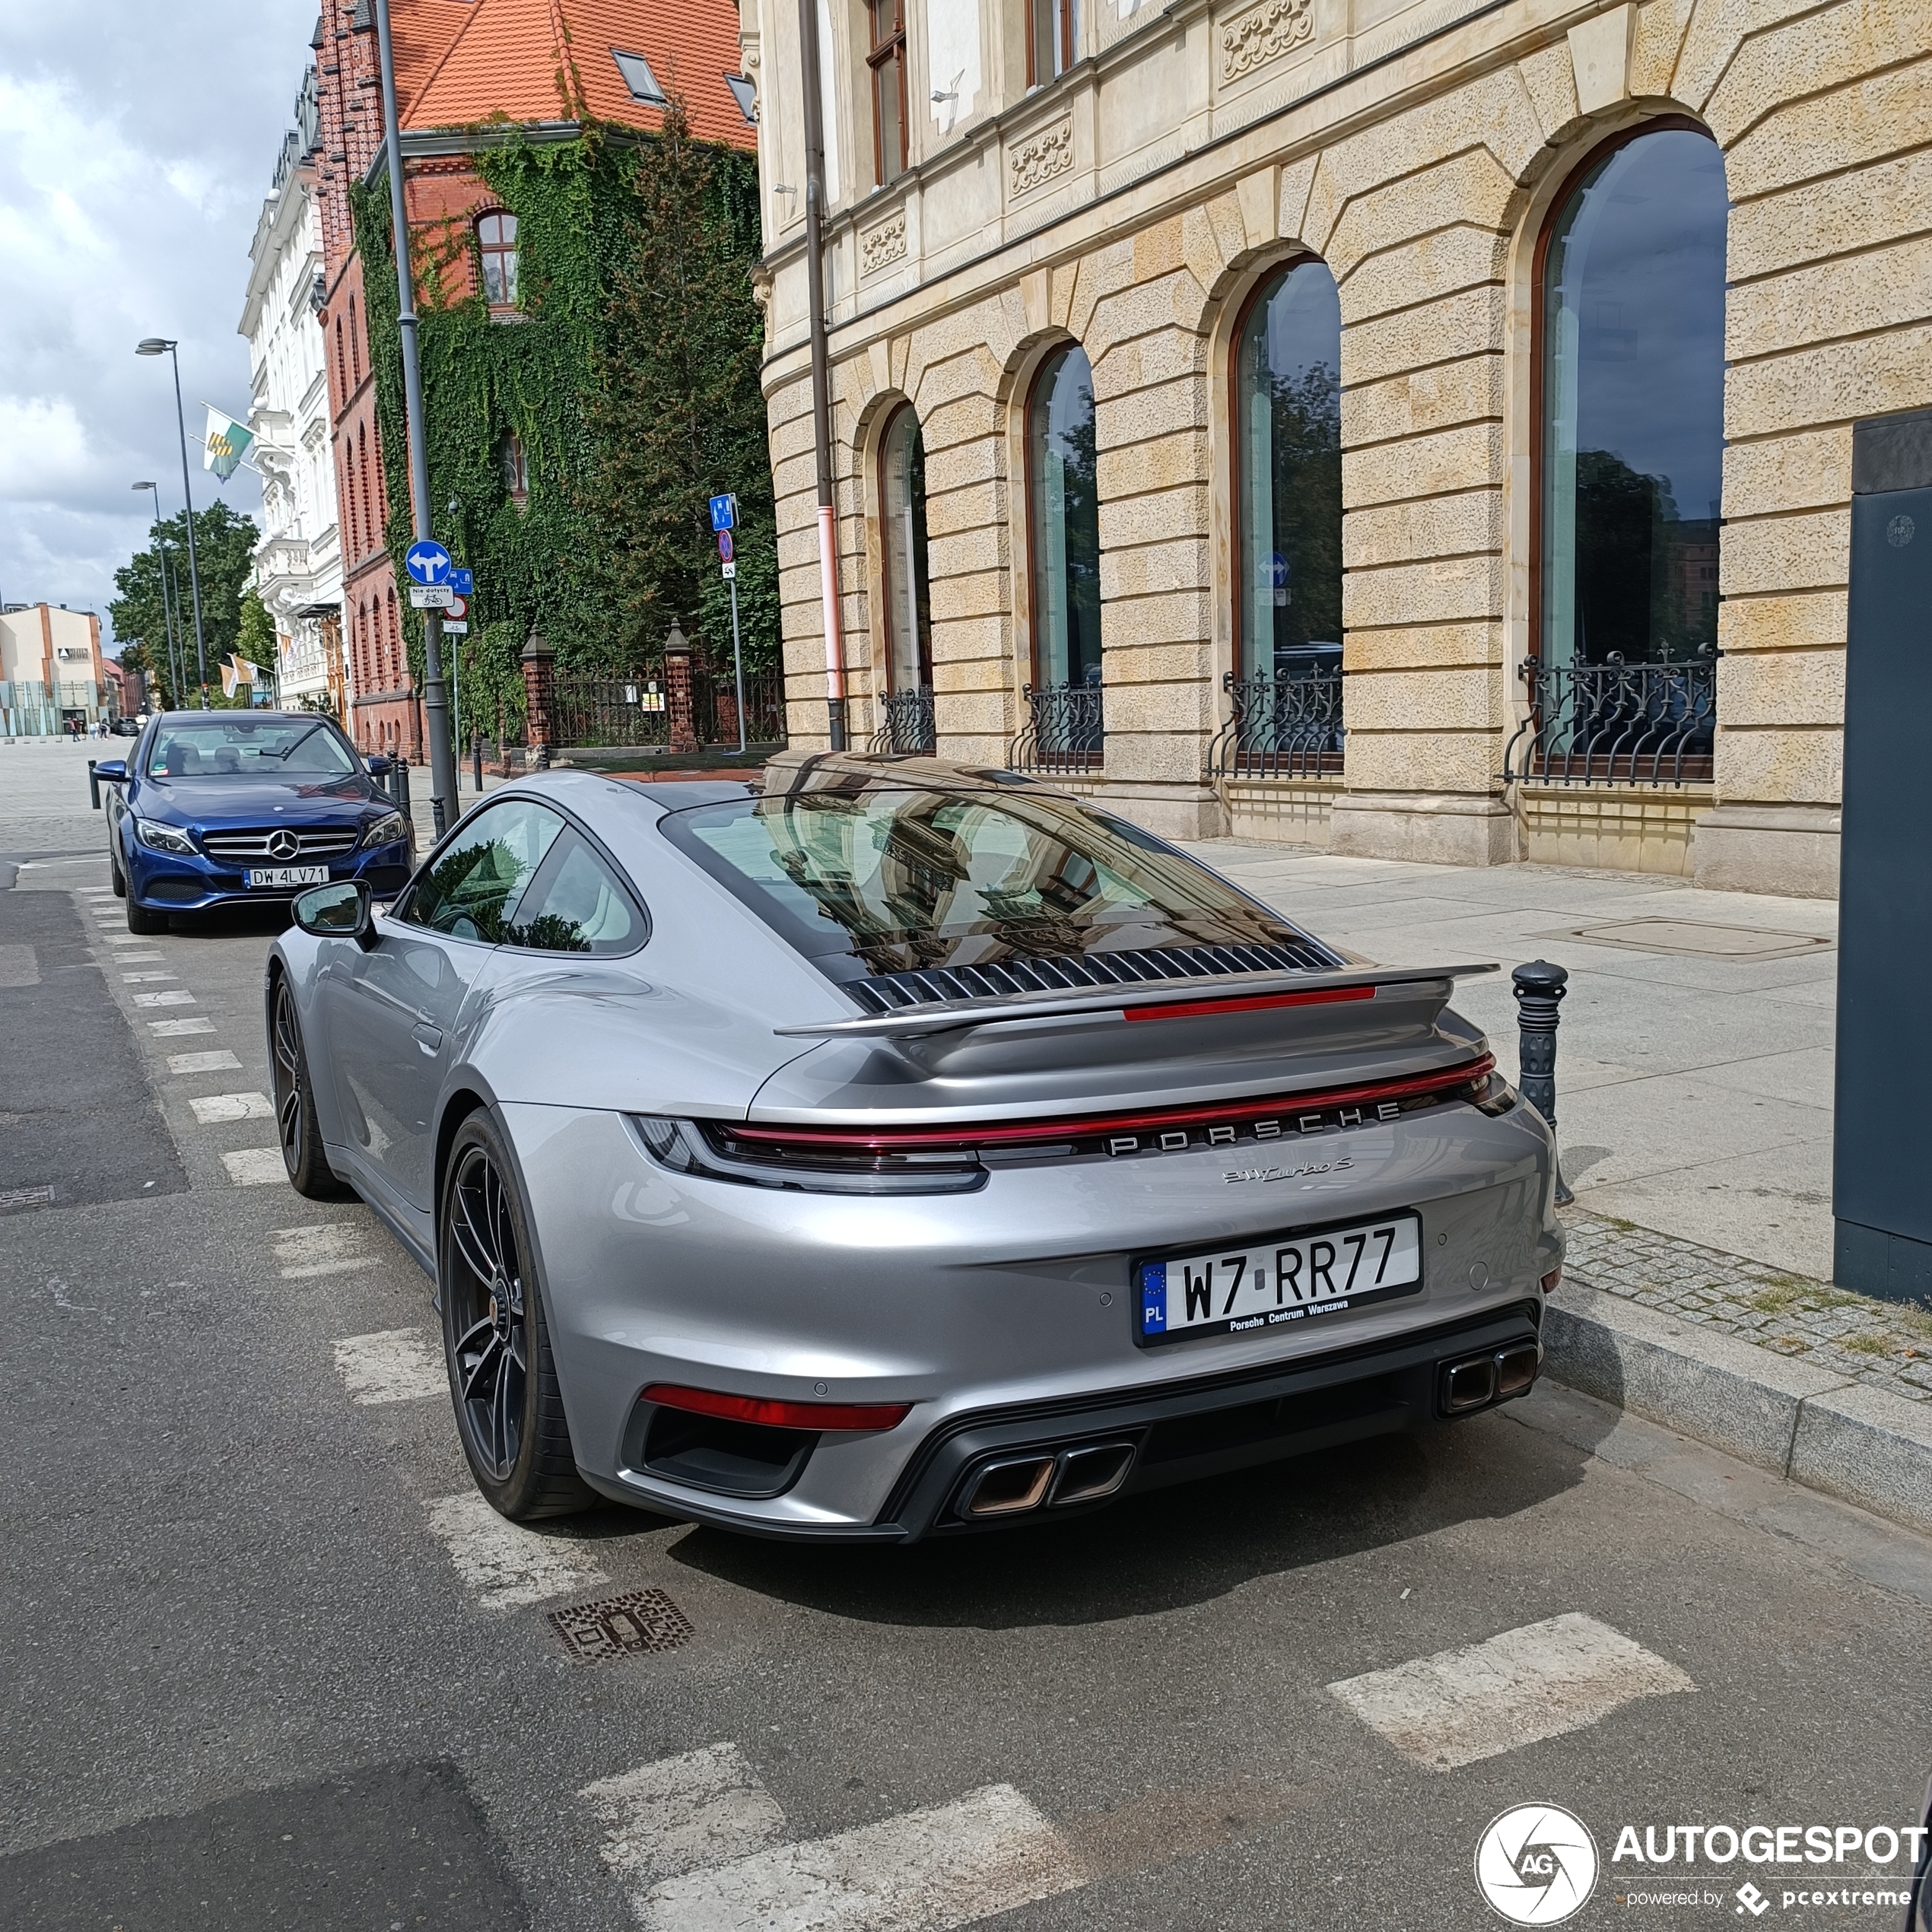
(496, 240)
(639, 78)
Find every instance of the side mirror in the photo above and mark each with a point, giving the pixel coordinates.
(113, 769)
(379, 766)
(337, 912)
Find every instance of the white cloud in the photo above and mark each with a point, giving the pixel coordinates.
(136, 145)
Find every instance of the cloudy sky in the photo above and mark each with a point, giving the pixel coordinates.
(137, 143)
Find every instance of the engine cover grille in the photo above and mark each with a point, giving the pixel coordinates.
(311, 842)
(890, 992)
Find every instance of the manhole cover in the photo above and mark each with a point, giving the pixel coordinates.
(1685, 935)
(14, 1197)
(639, 1620)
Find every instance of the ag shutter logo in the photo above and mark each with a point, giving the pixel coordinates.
(1537, 1864)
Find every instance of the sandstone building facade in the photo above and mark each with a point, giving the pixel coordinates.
(1419, 430)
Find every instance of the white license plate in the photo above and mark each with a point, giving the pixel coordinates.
(1257, 1286)
(272, 876)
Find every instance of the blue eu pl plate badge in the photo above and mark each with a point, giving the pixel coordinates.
(1153, 1298)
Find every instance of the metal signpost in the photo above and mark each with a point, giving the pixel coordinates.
(724, 518)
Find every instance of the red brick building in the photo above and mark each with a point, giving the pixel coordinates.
(545, 64)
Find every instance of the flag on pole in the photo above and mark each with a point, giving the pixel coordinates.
(228, 442)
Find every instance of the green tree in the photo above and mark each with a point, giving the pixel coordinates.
(676, 413)
(224, 554)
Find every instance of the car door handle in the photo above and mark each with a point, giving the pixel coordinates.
(430, 1038)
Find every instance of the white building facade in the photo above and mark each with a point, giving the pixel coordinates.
(298, 564)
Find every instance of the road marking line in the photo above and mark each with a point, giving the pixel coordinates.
(169, 1028)
(398, 1364)
(179, 996)
(134, 958)
(924, 1871)
(1460, 1705)
(326, 1249)
(255, 1167)
(693, 1814)
(143, 978)
(125, 939)
(210, 1107)
(220, 1062)
(505, 1564)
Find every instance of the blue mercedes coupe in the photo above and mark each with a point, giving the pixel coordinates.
(226, 808)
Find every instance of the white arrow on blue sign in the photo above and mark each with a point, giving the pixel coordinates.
(724, 513)
(427, 562)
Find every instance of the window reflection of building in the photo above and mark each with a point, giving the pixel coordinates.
(1065, 517)
(907, 592)
(1288, 456)
(1632, 371)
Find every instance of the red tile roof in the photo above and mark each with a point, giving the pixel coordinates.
(463, 61)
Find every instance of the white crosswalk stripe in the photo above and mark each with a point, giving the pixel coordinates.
(221, 1061)
(1460, 1705)
(329, 1249)
(212, 1108)
(397, 1364)
(174, 996)
(701, 1842)
(173, 1029)
(255, 1167)
(505, 1564)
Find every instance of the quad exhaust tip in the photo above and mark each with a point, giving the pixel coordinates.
(1010, 1485)
(1482, 1379)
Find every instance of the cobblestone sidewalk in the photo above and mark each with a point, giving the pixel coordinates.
(1883, 1343)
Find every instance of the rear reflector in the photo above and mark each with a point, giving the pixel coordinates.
(1191, 1009)
(1035, 1132)
(846, 1416)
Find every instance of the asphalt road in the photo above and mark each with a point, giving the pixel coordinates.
(266, 1664)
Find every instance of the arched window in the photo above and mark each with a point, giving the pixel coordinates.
(496, 241)
(1064, 514)
(908, 625)
(355, 345)
(395, 644)
(1631, 365)
(341, 367)
(1288, 453)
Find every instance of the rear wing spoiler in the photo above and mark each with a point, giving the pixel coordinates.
(1200, 998)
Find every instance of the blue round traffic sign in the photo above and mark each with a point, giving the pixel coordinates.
(427, 562)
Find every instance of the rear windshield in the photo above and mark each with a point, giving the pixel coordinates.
(890, 880)
(244, 747)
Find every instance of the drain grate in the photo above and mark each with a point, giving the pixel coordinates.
(14, 1197)
(614, 1626)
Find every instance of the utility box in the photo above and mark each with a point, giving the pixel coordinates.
(1882, 1169)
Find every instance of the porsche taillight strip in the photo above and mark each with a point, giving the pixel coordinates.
(827, 1417)
(909, 1140)
(1193, 1009)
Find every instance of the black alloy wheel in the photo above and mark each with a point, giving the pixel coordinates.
(510, 1410)
(295, 1125)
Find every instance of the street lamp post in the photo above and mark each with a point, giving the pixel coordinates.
(436, 702)
(167, 598)
(162, 345)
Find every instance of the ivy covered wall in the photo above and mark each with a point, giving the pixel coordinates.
(613, 540)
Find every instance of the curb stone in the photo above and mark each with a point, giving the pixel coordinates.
(1813, 1428)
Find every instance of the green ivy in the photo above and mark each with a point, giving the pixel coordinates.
(582, 226)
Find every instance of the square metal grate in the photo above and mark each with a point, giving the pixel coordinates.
(19, 1197)
(639, 1620)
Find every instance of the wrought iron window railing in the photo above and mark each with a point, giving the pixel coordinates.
(906, 723)
(1065, 732)
(1282, 725)
(1616, 723)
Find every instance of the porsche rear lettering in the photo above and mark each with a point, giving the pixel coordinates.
(1178, 1141)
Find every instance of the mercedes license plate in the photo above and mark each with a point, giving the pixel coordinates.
(274, 876)
(1258, 1286)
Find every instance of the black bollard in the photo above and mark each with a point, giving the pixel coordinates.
(94, 785)
(1539, 988)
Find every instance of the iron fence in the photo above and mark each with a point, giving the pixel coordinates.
(1065, 731)
(588, 712)
(1283, 724)
(906, 725)
(1616, 723)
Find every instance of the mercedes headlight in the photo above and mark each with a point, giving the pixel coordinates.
(391, 827)
(164, 838)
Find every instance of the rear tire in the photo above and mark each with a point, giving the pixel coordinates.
(296, 1126)
(502, 1379)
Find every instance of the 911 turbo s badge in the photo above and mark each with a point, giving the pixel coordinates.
(1234, 1174)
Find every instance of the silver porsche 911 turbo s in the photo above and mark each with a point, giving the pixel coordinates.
(891, 1147)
